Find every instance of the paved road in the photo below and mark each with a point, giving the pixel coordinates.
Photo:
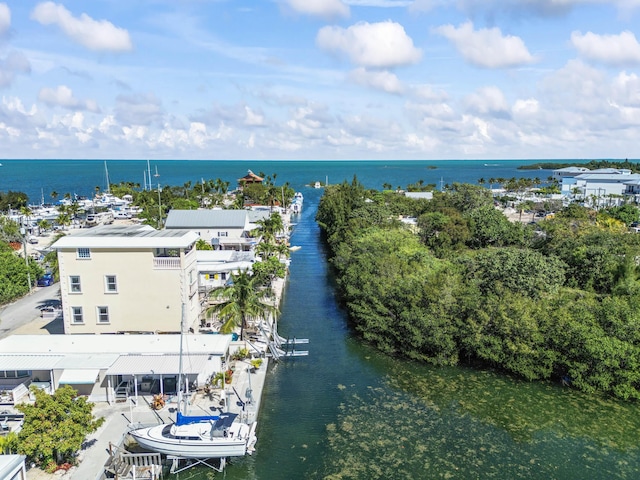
(23, 312)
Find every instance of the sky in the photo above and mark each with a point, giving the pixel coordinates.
(320, 79)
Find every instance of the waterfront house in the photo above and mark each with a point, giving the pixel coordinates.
(127, 278)
(223, 229)
(108, 367)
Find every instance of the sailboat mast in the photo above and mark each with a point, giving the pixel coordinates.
(181, 408)
(149, 173)
(106, 172)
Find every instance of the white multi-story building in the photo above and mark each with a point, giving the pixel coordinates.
(128, 278)
(223, 229)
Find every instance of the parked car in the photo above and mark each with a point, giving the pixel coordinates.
(46, 280)
(32, 239)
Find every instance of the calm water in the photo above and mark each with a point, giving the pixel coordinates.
(345, 412)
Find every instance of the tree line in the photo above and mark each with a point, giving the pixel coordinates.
(452, 280)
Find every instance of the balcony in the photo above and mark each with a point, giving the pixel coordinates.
(166, 263)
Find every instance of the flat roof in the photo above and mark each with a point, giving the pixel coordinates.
(200, 219)
(215, 344)
(29, 361)
(126, 236)
(158, 364)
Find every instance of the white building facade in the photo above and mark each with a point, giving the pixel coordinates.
(129, 278)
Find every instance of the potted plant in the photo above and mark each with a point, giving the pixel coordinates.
(255, 364)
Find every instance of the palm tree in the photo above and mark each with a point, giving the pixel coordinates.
(241, 299)
(54, 195)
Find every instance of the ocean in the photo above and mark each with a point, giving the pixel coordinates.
(39, 178)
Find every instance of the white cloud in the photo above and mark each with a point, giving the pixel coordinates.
(487, 101)
(530, 106)
(138, 110)
(62, 96)
(253, 119)
(320, 8)
(378, 45)
(543, 8)
(14, 64)
(487, 47)
(92, 34)
(5, 19)
(619, 49)
(380, 80)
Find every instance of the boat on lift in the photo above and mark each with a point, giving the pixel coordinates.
(198, 437)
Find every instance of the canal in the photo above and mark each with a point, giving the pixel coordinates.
(347, 412)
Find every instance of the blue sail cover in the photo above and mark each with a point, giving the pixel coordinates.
(224, 420)
(187, 419)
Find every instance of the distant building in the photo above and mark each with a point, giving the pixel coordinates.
(605, 185)
(223, 229)
(248, 179)
(419, 195)
(127, 278)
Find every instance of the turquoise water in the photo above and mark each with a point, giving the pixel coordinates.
(346, 412)
(39, 178)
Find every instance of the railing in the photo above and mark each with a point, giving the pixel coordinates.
(166, 263)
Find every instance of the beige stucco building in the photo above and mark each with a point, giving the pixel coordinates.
(128, 278)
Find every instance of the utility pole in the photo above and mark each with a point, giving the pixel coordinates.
(23, 231)
(159, 207)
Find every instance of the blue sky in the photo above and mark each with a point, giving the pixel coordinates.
(320, 79)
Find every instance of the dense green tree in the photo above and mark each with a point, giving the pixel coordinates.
(55, 426)
(521, 271)
(490, 228)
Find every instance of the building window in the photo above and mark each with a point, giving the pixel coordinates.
(74, 284)
(223, 234)
(76, 313)
(103, 314)
(223, 276)
(83, 253)
(110, 285)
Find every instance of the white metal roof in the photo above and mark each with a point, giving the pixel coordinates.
(157, 364)
(84, 361)
(126, 236)
(85, 376)
(206, 219)
(119, 344)
(28, 361)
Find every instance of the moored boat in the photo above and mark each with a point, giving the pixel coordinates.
(217, 436)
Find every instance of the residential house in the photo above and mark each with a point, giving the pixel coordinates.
(223, 229)
(128, 278)
(110, 367)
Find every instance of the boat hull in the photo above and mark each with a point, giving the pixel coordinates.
(158, 439)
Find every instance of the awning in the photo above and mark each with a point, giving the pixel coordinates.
(159, 364)
(79, 377)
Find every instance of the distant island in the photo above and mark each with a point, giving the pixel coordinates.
(591, 165)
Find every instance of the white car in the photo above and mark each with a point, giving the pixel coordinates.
(32, 239)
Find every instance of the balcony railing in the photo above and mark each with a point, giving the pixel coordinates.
(166, 263)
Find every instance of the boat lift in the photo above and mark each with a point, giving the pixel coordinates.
(194, 462)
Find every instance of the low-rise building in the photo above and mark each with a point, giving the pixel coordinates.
(110, 367)
(223, 229)
(128, 278)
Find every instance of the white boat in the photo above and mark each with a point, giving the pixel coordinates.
(217, 436)
(296, 203)
(295, 248)
(201, 437)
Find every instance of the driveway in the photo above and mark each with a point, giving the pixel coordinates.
(24, 316)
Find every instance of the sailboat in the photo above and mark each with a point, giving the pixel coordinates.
(198, 437)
